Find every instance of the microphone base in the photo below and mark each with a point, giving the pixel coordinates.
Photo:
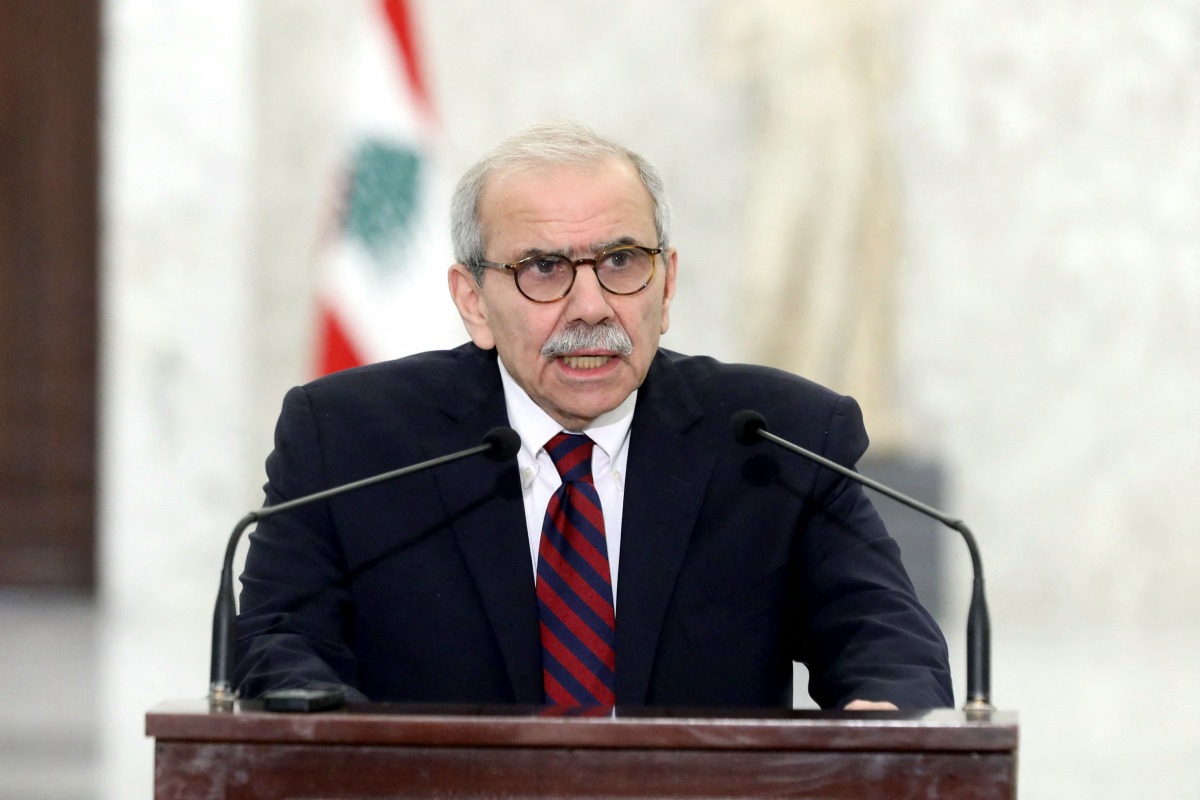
(979, 710)
(221, 697)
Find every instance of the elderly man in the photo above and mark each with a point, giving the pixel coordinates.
(634, 554)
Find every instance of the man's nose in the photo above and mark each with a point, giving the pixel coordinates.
(587, 300)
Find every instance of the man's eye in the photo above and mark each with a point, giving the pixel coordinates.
(544, 265)
(618, 259)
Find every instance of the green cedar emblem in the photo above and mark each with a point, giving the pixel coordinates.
(384, 190)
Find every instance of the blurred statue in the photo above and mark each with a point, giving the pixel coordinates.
(821, 243)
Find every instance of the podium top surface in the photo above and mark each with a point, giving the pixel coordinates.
(945, 730)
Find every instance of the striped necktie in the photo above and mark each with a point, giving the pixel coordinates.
(574, 586)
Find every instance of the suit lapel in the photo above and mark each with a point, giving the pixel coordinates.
(667, 474)
(483, 504)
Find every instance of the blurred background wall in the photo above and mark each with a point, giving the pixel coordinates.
(1036, 166)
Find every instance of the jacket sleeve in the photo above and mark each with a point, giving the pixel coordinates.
(293, 626)
(867, 637)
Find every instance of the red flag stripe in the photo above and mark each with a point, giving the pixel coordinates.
(337, 350)
(404, 32)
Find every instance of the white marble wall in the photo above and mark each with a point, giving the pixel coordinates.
(1049, 331)
(1052, 333)
(1051, 350)
(178, 289)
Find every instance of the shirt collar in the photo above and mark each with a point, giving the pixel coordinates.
(610, 431)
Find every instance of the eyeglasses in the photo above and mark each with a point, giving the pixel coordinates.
(625, 269)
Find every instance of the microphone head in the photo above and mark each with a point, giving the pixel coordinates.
(504, 443)
(745, 426)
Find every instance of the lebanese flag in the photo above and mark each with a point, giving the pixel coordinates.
(382, 284)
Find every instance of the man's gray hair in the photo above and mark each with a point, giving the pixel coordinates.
(545, 144)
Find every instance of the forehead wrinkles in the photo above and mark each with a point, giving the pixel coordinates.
(571, 210)
(571, 221)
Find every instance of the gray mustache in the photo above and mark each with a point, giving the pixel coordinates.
(581, 336)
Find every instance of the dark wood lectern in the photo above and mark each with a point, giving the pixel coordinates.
(391, 751)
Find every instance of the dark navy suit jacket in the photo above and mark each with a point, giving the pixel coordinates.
(735, 560)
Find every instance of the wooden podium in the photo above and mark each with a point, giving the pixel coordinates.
(392, 751)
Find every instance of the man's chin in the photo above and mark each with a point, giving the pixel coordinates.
(583, 398)
(582, 413)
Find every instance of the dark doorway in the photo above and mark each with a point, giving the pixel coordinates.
(49, 99)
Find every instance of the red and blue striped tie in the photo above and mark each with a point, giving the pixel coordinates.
(574, 587)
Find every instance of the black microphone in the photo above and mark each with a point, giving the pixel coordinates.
(499, 444)
(750, 428)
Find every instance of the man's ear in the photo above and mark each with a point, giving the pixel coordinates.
(468, 299)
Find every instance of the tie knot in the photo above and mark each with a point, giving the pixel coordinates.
(572, 456)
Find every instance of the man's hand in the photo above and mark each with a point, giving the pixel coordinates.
(870, 705)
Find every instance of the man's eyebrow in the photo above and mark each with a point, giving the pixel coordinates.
(536, 251)
(571, 252)
(624, 240)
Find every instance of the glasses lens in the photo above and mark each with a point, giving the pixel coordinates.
(544, 277)
(624, 270)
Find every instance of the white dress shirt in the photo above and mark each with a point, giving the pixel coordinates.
(539, 477)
